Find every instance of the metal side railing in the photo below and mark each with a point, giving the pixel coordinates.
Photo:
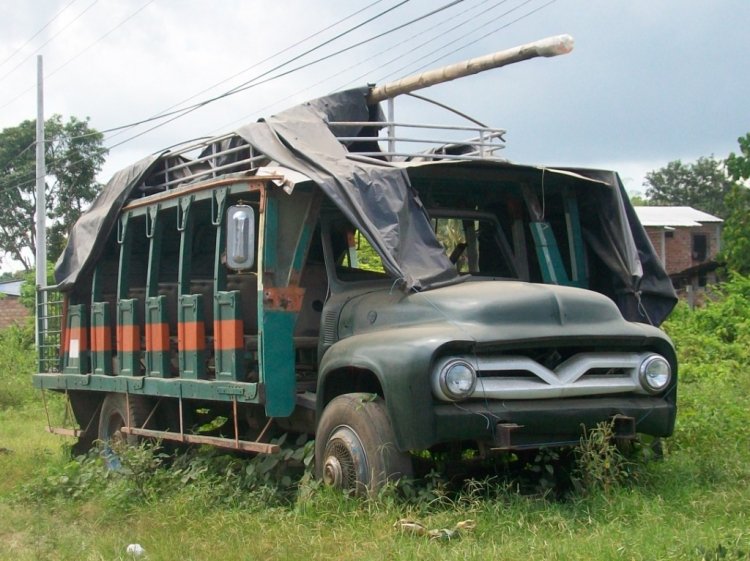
(49, 317)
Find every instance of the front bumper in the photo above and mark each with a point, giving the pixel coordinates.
(518, 425)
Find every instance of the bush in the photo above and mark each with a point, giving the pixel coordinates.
(716, 336)
(17, 364)
(713, 345)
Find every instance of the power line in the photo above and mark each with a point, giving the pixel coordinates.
(132, 15)
(474, 41)
(301, 41)
(115, 28)
(22, 152)
(252, 83)
(371, 57)
(183, 111)
(71, 22)
(428, 41)
(167, 113)
(45, 26)
(248, 84)
(391, 47)
(415, 48)
(401, 69)
(79, 53)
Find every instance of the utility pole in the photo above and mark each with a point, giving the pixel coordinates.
(41, 172)
(41, 204)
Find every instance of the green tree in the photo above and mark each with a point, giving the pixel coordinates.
(703, 185)
(736, 251)
(74, 155)
(738, 166)
(28, 288)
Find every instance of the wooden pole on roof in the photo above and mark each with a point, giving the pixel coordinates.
(549, 47)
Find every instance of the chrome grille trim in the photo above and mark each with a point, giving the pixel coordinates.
(580, 375)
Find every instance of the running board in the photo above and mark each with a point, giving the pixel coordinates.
(228, 443)
(64, 432)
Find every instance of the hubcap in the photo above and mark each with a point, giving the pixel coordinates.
(332, 472)
(345, 461)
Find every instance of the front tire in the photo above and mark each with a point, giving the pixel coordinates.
(355, 446)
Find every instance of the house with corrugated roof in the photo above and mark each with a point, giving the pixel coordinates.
(12, 312)
(686, 240)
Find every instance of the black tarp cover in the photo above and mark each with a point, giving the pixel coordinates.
(646, 293)
(379, 200)
(375, 195)
(89, 234)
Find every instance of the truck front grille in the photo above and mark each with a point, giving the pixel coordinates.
(583, 374)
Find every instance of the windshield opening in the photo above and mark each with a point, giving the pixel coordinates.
(474, 243)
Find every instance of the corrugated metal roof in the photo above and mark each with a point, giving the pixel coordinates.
(11, 288)
(674, 216)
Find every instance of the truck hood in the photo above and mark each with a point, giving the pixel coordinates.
(487, 311)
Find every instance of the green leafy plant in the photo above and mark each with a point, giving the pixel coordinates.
(17, 363)
(545, 469)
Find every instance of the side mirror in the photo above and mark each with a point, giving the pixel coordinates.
(240, 237)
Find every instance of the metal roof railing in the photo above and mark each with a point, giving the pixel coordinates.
(438, 146)
(230, 153)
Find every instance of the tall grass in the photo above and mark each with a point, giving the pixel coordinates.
(694, 504)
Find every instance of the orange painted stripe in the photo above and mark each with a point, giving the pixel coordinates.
(101, 338)
(66, 338)
(128, 338)
(157, 337)
(228, 335)
(191, 336)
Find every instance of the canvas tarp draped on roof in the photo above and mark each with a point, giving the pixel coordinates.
(378, 199)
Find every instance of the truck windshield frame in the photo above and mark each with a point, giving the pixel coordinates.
(480, 249)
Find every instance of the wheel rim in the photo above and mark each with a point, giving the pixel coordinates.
(114, 434)
(345, 463)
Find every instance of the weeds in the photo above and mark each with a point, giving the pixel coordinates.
(144, 474)
(17, 363)
(600, 466)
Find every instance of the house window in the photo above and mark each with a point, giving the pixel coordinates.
(700, 247)
(669, 234)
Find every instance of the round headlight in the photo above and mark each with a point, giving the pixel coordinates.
(655, 373)
(458, 379)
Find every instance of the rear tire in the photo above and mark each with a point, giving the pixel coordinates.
(355, 446)
(115, 415)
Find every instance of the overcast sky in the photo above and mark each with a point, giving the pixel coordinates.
(649, 81)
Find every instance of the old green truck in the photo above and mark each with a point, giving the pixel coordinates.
(307, 274)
